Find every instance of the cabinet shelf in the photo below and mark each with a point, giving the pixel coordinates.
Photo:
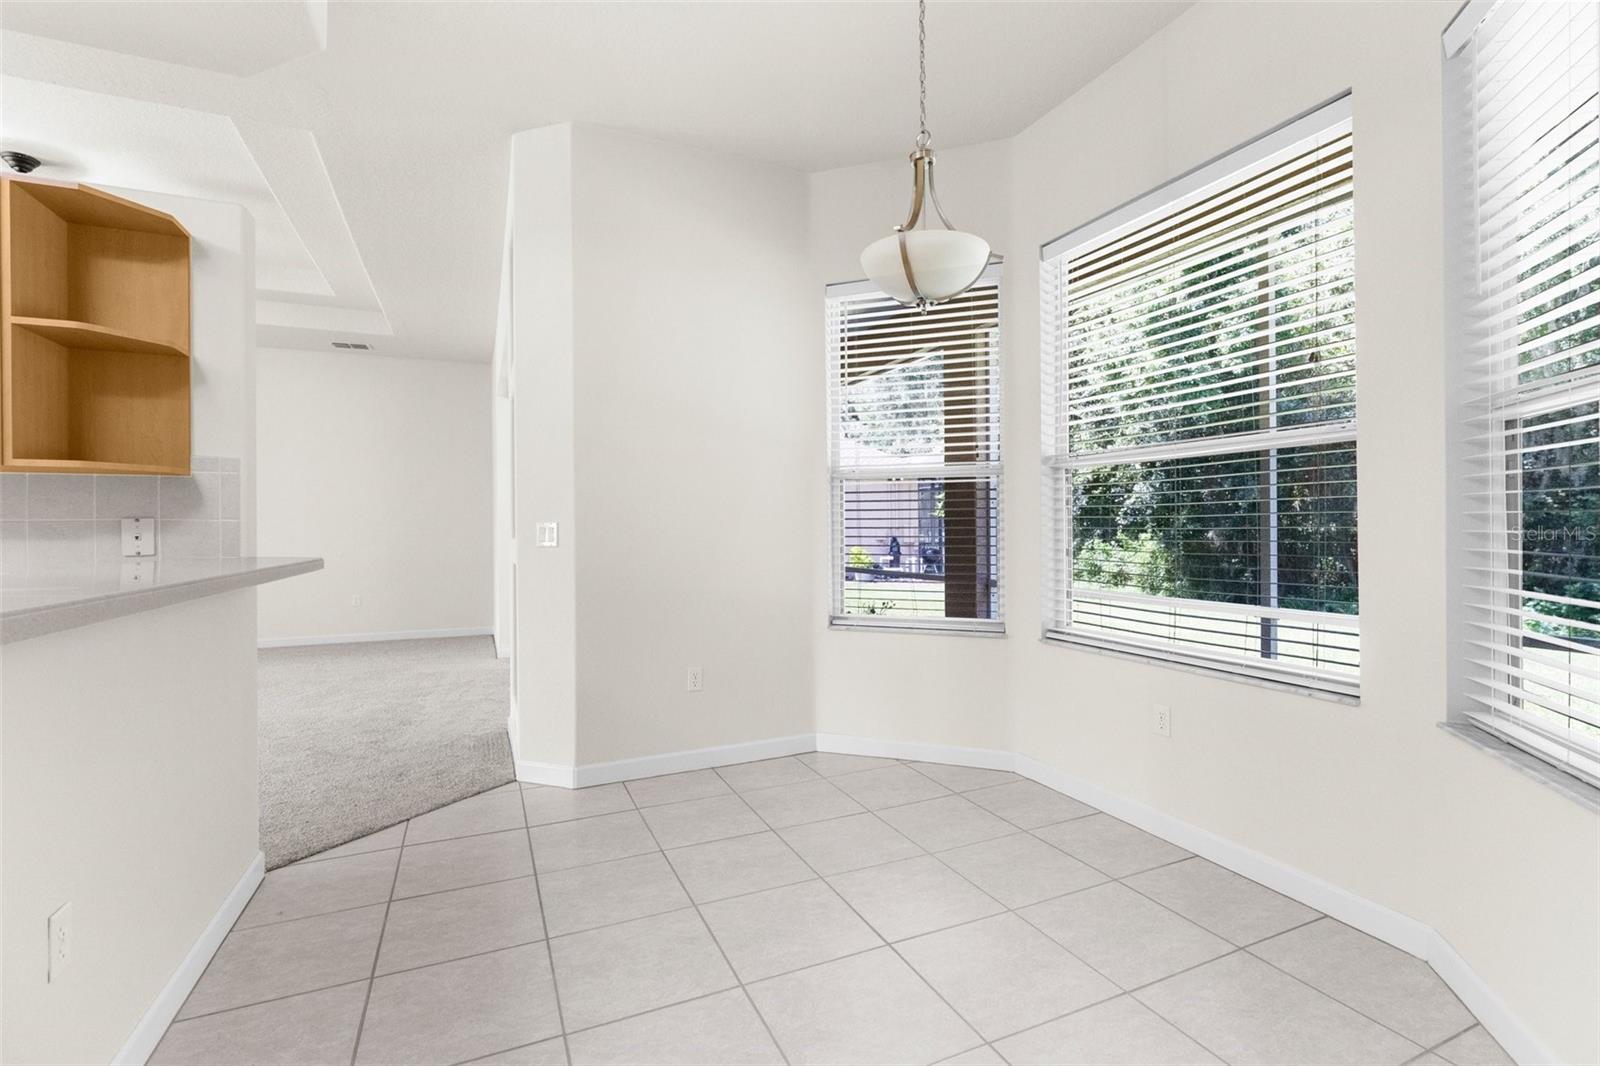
(70, 334)
(94, 333)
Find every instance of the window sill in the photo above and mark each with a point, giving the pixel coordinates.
(1088, 644)
(851, 624)
(1583, 794)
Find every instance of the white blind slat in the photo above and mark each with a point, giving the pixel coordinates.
(1525, 84)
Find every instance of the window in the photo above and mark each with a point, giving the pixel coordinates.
(914, 454)
(1523, 115)
(1200, 417)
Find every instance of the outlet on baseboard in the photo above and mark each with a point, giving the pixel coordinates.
(59, 929)
(1161, 720)
(696, 681)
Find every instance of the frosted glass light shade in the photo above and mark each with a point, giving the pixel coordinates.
(945, 262)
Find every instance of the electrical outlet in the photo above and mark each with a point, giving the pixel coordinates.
(138, 537)
(1162, 720)
(696, 681)
(59, 929)
(355, 600)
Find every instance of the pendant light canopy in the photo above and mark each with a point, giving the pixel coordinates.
(918, 264)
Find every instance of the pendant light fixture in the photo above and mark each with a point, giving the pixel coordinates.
(923, 266)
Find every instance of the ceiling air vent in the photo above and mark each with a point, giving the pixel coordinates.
(353, 346)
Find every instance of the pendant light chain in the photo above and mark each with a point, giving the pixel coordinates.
(924, 138)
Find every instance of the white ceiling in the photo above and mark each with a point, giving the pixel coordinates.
(370, 139)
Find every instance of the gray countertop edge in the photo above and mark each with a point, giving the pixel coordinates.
(29, 622)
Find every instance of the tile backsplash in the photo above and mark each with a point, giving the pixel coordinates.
(52, 522)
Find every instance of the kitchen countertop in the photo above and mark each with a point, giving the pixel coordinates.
(33, 604)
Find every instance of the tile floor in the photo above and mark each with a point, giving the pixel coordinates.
(814, 909)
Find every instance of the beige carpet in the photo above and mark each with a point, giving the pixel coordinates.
(357, 737)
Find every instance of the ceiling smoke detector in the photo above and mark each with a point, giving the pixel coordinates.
(21, 162)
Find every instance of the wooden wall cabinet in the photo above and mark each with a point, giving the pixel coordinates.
(94, 321)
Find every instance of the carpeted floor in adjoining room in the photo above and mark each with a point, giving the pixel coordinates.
(357, 737)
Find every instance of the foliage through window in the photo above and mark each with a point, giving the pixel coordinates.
(914, 452)
(1200, 417)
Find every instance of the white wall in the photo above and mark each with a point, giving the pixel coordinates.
(222, 309)
(1374, 798)
(380, 466)
(129, 789)
(544, 722)
(688, 481)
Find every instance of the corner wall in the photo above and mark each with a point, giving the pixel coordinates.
(1374, 798)
(668, 410)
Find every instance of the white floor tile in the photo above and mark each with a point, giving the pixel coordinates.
(675, 788)
(546, 805)
(722, 868)
(677, 825)
(620, 970)
(1020, 869)
(465, 921)
(869, 1008)
(305, 1030)
(1380, 981)
(1003, 975)
(749, 776)
(1124, 935)
(889, 786)
(912, 897)
(1111, 846)
(1247, 1012)
(718, 1030)
(843, 844)
(302, 890)
(1235, 908)
(783, 929)
(946, 822)
(563, 845)
(461, 1010)
(1121, 1032)
(491, 812)
(609, 892)
(461, 862)
(809, 801)
(1028, 804)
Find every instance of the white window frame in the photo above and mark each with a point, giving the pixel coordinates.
(1488, 640)
(1279, 144)
(839, 476)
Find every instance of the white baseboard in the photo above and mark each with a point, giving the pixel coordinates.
(546, 773)
(983, 758)
(603, 773)
(1374, 919)
(369, 638)
(141, 1044)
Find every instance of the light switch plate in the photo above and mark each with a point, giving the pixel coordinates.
(59, 929)
(544, 534)
(138, 536)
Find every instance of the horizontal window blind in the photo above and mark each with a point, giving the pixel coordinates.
(1525, 87)
(1200, 418)
(914, 455)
